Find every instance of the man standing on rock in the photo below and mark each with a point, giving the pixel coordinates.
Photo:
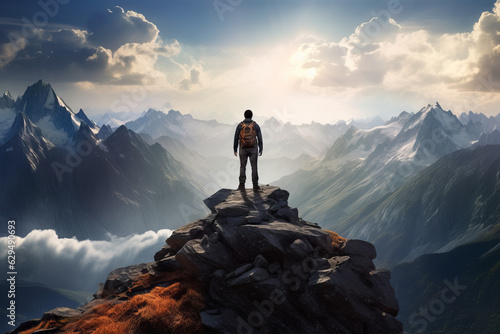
(250, 141)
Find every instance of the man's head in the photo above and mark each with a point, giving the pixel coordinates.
(248, 113)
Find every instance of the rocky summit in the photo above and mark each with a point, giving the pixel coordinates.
(251, 266)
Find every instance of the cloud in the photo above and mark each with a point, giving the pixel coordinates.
(69, 263)
(119, 48)
(194, 79)
(355, 60)
(384, 55)
(115, 28)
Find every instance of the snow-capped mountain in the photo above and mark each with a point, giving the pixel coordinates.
(110, 121)
(6, 101)
(117, 119)
(81, 115)
(50, 113)
(492, 138)
(488, 124)
(7, 117)
(365, 165)
(291, 141)
(58, 170)
(208, 138)
(119, 185)
(359, 144)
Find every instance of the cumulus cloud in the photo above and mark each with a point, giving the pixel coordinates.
(11, 40)
(116, 27)
(386, 55)
(118, 47)
(69, 263)
(355, 60)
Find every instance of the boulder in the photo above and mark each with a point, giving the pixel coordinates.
(360, 247)
(121, 279)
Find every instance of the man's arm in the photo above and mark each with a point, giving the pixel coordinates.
(236, 138)
(259, 138)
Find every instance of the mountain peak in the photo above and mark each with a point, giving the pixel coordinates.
(104, 132)
(152, 111)
(49, 112)
(81, 115)
(38, 99)
(6, 101)
(27, 135)
(41, 84)
(21, 126)
(122, 131)
(173, 112)
(253, 253)
(273, 122)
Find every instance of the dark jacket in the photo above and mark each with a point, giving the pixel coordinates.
(257, 130)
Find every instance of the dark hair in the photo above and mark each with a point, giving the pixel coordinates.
(248, 113)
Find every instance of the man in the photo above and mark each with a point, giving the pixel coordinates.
(249, 137)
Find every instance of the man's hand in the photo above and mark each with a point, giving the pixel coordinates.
(260, 153)
(235, 154)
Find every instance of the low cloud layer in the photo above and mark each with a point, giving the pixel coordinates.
(68, 263)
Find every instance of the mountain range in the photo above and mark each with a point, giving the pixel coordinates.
(209, 138)
(452, 202)
(422, 187)
(117, 119)
(57, 172)
(364, 165)
(488, 124)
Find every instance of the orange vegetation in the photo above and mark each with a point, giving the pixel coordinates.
(337, 240)
(174, 309)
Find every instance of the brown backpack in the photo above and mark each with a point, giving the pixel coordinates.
(248, 135)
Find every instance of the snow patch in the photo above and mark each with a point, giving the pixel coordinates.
(49, 102)
(7, 117)
(54, 135)
(62, 104)
(76, 121)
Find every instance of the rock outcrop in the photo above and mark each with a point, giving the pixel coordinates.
(265, 270)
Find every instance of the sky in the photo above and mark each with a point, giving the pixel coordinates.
(299, 61)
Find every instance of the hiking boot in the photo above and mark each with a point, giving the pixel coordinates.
(241, 186)
(256, 187)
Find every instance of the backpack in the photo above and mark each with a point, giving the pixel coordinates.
(248, 135)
